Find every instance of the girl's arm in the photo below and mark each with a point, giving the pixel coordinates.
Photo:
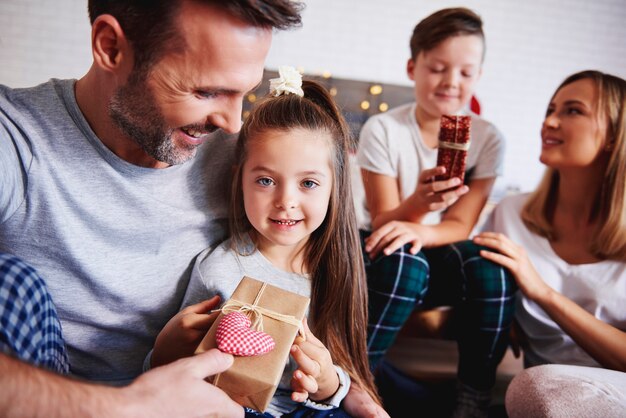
(183, 332)
(600, 340)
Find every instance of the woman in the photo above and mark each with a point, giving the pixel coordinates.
(565, 244)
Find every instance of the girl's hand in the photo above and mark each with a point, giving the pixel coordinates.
(181, 335)
(431, 195)
(316, 377)
(391, 236)
(514, 258)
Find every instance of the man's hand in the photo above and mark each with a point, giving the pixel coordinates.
(181, 335)
(180, 390)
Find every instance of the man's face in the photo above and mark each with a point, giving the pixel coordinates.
(190, 93)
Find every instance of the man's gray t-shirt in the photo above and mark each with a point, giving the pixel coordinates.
(114, 242)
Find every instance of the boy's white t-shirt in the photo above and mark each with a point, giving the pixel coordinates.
(391, 144)
(599, 288)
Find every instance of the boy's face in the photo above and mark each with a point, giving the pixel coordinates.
(445, 76)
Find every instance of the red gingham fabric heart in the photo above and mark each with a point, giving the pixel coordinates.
(234, 336)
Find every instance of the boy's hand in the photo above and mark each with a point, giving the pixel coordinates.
(181, 335)
(316, 377)
(393, 235)
(431, 195)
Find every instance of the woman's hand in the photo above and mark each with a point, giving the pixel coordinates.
(316, 377)
(393, 235)
(181, 335)
(514, 258)
(431, 195)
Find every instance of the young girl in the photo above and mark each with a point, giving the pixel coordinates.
(566, 246)
(293, 226)
(397, 153)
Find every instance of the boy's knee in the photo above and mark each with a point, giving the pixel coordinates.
(484, 277)
(407, 274)
(468, 249)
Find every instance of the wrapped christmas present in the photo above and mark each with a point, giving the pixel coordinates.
(258, 324)
(454, 142)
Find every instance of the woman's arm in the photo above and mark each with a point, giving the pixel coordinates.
(600, 340)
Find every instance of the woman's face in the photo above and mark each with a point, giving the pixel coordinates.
(573, 134)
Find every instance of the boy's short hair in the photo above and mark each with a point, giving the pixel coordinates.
(443, 24)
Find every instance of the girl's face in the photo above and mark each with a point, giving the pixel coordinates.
(572, 134)
(446, 75)
(287, 181)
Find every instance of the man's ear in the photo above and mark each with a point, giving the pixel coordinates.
(109, 45)
(410, 66)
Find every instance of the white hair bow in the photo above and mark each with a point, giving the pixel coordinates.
(288, 82)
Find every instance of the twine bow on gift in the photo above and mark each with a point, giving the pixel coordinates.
(240, 331)
(458, 146)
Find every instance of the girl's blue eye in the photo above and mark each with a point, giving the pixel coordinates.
(309, 184)
(264, 181)
(573, 111)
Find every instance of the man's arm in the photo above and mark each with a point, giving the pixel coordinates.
(178, 389)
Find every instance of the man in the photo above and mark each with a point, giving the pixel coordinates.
(109, 186)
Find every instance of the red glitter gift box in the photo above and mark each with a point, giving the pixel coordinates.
(454, 142)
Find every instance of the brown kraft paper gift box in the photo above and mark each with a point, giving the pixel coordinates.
(252, 381)
(454, 141)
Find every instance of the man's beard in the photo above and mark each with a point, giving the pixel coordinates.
(133, 109)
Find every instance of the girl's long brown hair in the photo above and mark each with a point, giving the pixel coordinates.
(609, 241)
(338, 310)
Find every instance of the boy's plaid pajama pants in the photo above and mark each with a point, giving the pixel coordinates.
(481, 292)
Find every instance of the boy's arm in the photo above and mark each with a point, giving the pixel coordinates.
(459, 219)
(385, 204)
(456, 224)
(176, 390)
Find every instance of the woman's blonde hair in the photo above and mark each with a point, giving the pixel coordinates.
(609, 240)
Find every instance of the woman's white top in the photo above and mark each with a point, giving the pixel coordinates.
(599, 288)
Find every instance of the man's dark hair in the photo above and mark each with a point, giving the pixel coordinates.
(148, 24)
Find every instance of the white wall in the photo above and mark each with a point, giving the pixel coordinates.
(531, 46)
